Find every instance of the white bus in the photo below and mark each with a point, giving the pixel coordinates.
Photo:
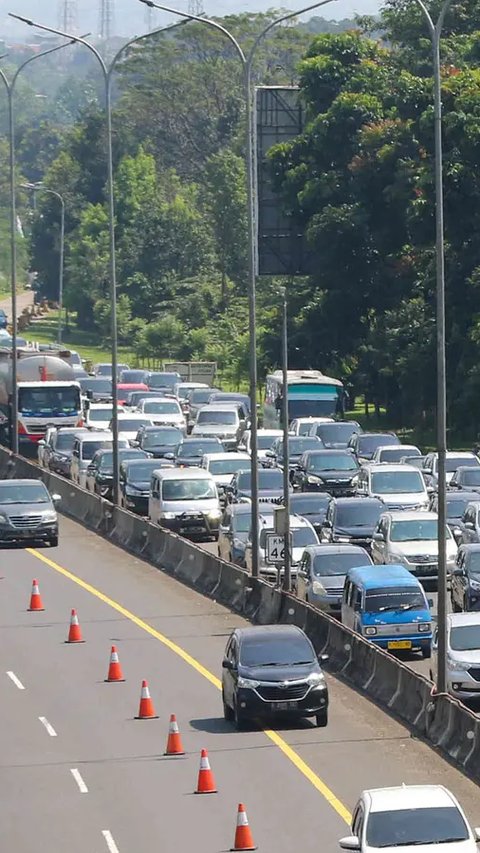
(311, 394)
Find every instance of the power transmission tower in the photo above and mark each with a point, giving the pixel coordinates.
(195, 7)
(106, 19)
(68, 16)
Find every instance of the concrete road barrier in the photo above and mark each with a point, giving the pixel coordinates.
(443, 721)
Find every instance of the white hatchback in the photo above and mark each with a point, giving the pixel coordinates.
(409, 817)
(163, 411)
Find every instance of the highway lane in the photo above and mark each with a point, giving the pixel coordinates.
(133, 793)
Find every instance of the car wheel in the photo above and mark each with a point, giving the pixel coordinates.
(455, 606)
(227, 711)
(239, 718)
(54, 542)
(322, 718)
(426, 652)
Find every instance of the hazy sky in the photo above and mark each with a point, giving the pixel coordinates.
(130, 14)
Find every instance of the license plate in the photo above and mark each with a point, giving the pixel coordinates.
(399, 644)
(284, 706)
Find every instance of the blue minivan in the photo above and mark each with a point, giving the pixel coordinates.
(387, 605)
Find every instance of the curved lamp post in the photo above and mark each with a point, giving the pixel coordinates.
(10, 90)
(107, 72)
(247, 61)
(35, 188)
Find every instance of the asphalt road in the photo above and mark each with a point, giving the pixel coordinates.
(298, 783)
(24, 299)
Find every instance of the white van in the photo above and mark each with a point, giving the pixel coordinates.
(185, 500)
(85, 446)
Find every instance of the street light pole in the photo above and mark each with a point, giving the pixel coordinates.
(107, 72)
(250, 155)
(435, 30)
(39, 188)
(286, 455)
(10, 90)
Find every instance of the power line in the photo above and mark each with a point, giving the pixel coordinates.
(106, 19)
(68, 16)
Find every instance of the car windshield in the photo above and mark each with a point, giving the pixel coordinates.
(64, 441)
(336, 433)
(303, 505)
(393, 598)
(456, 507)
(169, 437)
(162, 380)
(416, 461)
(97, 386)
(266, 441)
(241, 522)
(473, 563)
(200, 395)
(405, 827)
(298, 445)
(23, 493)
(471, 477)
(198, 448)
(283, 649)
(227, 466)
(272, 479)
(217, 416)
(100, 414)
(301, 537)
(394, 454)
(332, 462)
(454, 462)
(89, 448)
(325, 565)
(416, 531)
(106, 459)
(141, 473)
(103, 370)
(369, 443)
(132, 424)
(188, 490)
(358, 514)
(132, 376)
(49, 400)
(161, 407)
(397, 482)
(465, 638)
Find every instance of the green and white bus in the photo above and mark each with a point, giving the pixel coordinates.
(311, 394)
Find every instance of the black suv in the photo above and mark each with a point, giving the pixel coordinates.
(159, 441)
(333, 471)
(365, 445)
(271, 670)
(352, 520)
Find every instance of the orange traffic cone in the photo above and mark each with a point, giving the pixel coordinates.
(206, 779)
(114, 670)
(146, 710)
(75, 632)
(243, 836)
(174, 741)
(35, 598)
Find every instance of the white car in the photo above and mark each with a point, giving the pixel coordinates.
(410, 538)
(303, 534)
(163, 411)
(99, 415)
(454, 460)
(463, 655)
(129, 424)
(398, 486)
(302, 426)
(265, 439)
(45, 443)
(409, 817)
(222, 467)
(394, 452)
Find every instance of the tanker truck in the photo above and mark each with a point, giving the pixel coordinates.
(47, 393)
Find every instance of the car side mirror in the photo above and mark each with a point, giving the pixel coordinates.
(323, 658)
(430, 490)
(169, 456)
(227, 664)
(350, 842)
(56, 499)
(430, 602)
(42, 442)
(378, 537)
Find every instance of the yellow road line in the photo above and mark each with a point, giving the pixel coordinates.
(287, 750)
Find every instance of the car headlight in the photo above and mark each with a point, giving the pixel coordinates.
(474, 584)
(370, 631)
(3, 518)
(342, 538)
(318, 588)
(424, 627)
(311, 479)
(316, 678)
(168, 515)
(50, 515)
(354, 480)
(214, 514)
(249, 683)
(461, 666)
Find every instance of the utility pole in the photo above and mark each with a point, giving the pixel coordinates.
(68, 15)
